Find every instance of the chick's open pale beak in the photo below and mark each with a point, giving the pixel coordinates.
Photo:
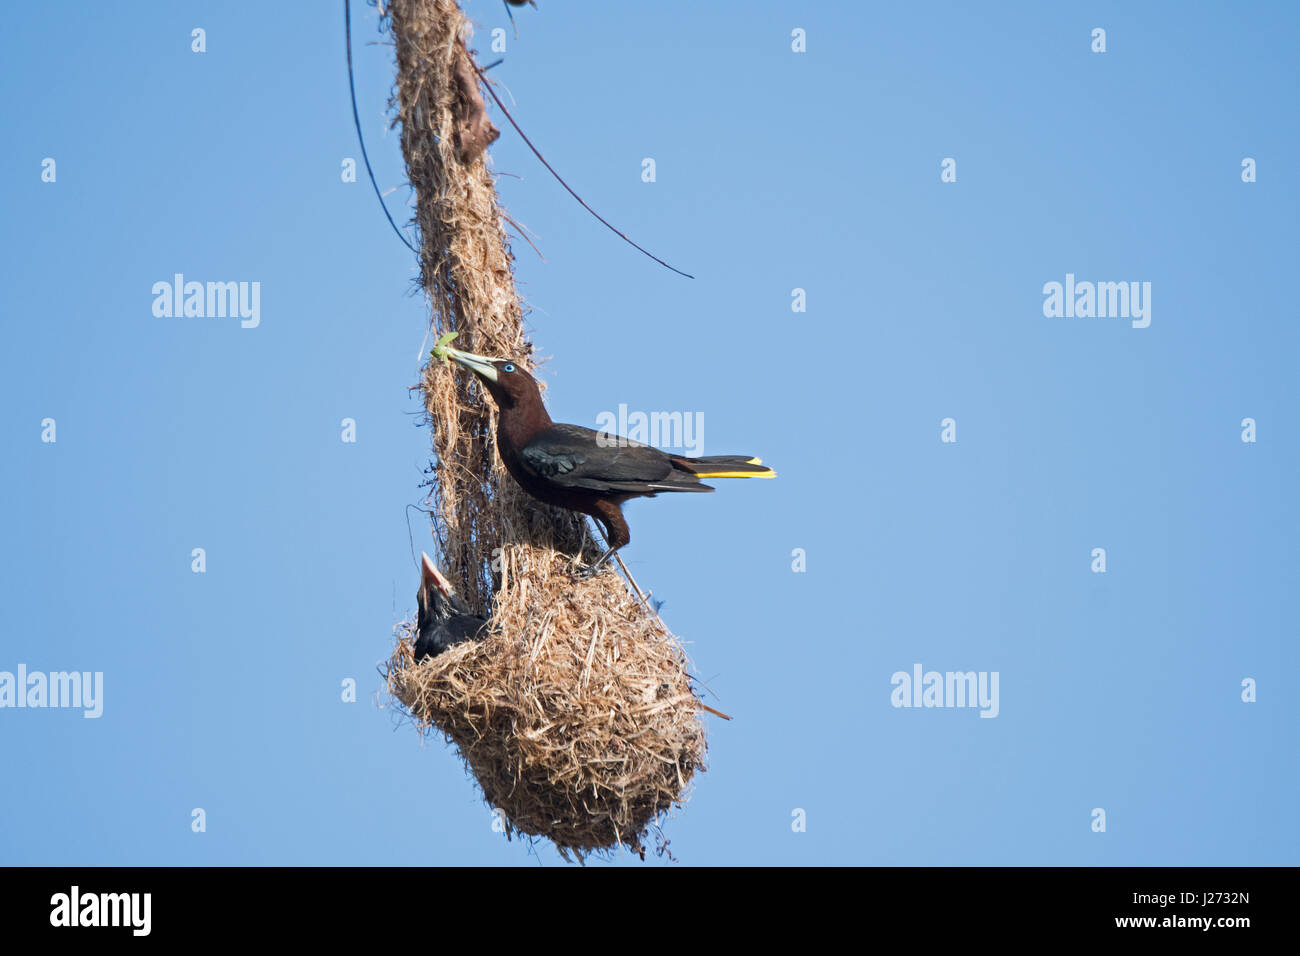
(431, 575)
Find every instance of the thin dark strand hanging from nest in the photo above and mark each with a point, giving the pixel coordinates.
(560, 179)
(347, 22)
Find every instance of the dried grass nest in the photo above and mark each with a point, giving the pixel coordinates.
(576, 715)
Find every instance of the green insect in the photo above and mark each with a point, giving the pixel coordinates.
(440, 349)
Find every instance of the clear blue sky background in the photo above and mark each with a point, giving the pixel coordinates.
(776, 171)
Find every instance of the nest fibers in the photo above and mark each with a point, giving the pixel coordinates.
(576, 715)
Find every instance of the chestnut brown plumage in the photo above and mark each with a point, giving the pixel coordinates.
(580, 468)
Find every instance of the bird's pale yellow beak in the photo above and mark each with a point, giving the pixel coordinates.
(480, 365)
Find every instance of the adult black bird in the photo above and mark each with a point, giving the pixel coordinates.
(443, 619)
(582, 469)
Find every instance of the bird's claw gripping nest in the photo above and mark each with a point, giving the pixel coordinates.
(585, 572)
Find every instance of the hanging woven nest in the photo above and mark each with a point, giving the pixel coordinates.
(576, 714)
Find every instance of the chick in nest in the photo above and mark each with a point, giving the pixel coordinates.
(443, 619)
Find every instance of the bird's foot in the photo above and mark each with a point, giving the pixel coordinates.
(588, 571)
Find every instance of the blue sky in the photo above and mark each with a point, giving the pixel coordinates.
(775, 171)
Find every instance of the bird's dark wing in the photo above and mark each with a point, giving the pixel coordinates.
(575, 457)
(469, 627)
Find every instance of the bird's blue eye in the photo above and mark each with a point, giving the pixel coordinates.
(508, 367)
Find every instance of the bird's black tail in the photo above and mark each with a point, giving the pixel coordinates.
(725, 466)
